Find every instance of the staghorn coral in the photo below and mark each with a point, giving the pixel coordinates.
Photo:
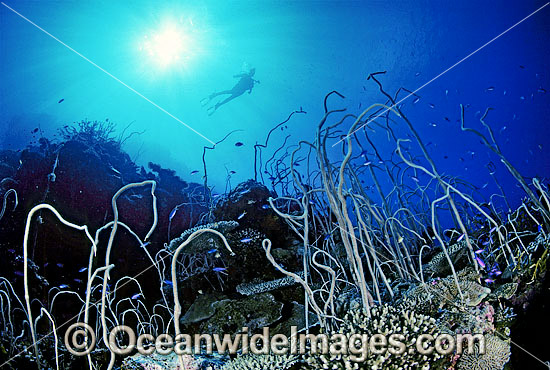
(384, 320)
(203, 242)
(497, 353)
(263, 362)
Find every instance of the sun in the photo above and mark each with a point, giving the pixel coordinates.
(169, 46)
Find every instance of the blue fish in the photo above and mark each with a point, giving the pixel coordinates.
(244, 192)
(266, 206)
(480, 262)
(59, 265)
(245, 240)
(460, 237)
(63, 286)
(214, 250)
(78, 281)
(327, 237)
(136, 296)
(219, 269)
(172, 214)
(83, 269)
(479, 251)
(540, 228)
(241, 215)
(19, 273)
(168, 282)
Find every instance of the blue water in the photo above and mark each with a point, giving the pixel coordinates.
(301, 51)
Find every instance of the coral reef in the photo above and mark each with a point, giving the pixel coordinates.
(264, 362)
(387, 320)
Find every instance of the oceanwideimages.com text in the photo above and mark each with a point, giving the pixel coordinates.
(80, 340)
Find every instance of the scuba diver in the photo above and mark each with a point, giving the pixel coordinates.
(245, 83)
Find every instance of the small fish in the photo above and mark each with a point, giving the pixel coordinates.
(495, 273)
(219, 269)
(136, 296)
(115, 170)
(539, 228)
(489, 281)
(415, 179)
(479, 251)
(460, 237)
(214, 250)
(172, 214)
(266, 206)
(416, 100)
(199, 291)
(431, 105)
(541, 90)
(244, 192)
(367, 164)
(486, 242)
(271, 178)
(232, 172)
(216, 195)
(46, 264)
(78, 281)
(238, 143)
(194, 172)
(417, 74)
(59, 265)
(19, 273)
(251, 201)
(296, 164)
(327, 237)
(82, 269)
(11, 250)
(490, 88)
(433, 124)
(34, 131)
(217, 255)
(61, 101)
(241, 215)
(480, 262)
(168, 282)
(522, 67)
(493, 229)
(447, 119)
(446, 92)
(522, 97)
(245, 240)
(63, 286)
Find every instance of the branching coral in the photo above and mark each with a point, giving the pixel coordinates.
(385, 320)
(204, 242)
(264, 362)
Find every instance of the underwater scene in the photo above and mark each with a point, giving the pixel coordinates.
(275, 185)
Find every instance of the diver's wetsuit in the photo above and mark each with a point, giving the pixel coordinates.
(245, 83)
